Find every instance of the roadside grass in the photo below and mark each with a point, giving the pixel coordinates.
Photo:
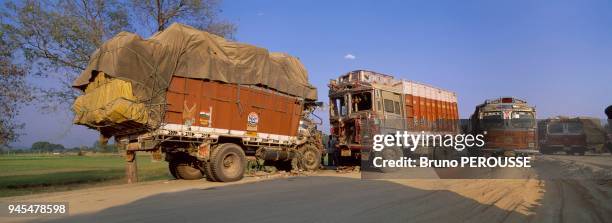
(29, 174)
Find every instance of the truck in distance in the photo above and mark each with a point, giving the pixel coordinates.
(562, 134)
(364, 103)
(508, 125)
(608, 143)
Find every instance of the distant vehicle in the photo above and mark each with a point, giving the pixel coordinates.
(364, 103)
(562, 135)
(609, 138)
(508, 124)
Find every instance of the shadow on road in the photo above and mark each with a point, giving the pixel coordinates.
(305, 199)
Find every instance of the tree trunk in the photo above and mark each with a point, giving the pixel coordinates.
(131, 167)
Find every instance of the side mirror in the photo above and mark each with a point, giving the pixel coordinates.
(319, 103)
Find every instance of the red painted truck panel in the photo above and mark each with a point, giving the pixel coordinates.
(227, 106)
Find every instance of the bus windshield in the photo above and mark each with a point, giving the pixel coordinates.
(521, 119)
(555, 128)
(574, 127)
(492, 120)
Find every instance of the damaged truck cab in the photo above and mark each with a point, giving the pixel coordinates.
(356, 101)
(365, 103)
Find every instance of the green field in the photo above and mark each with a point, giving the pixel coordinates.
(28, 174)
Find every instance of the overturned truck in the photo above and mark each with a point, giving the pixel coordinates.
(207, 103)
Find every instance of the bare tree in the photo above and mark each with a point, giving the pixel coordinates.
(202, 14)
(57, 38)
(14, 93)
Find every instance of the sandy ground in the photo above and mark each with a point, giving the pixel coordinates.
(328, 196)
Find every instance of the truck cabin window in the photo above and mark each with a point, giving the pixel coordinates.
(574, 127)
(338, 107)
(397, 107)
(362, 101)
(391, 106)
(522, 119)
(555, 128)
(492, 120)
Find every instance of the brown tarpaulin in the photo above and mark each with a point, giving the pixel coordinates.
(187, 52)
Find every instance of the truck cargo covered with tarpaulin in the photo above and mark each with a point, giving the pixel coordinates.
(148, 65)
(205, 102)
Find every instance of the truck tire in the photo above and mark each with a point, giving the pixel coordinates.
(172, 168)
(188, 170)
(208, 172)
(390, 153)
(227, 163)
(444, 154)
(310, 158)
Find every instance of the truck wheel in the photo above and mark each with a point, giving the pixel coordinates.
(390, 153)
(310, 159)
(188, 170)
(172, 168)
(444, 154)
(208, 172)
(227, 163)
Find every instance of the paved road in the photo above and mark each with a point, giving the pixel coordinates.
(333, 197)
(319, 199)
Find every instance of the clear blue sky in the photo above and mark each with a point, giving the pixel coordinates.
(555, 54)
